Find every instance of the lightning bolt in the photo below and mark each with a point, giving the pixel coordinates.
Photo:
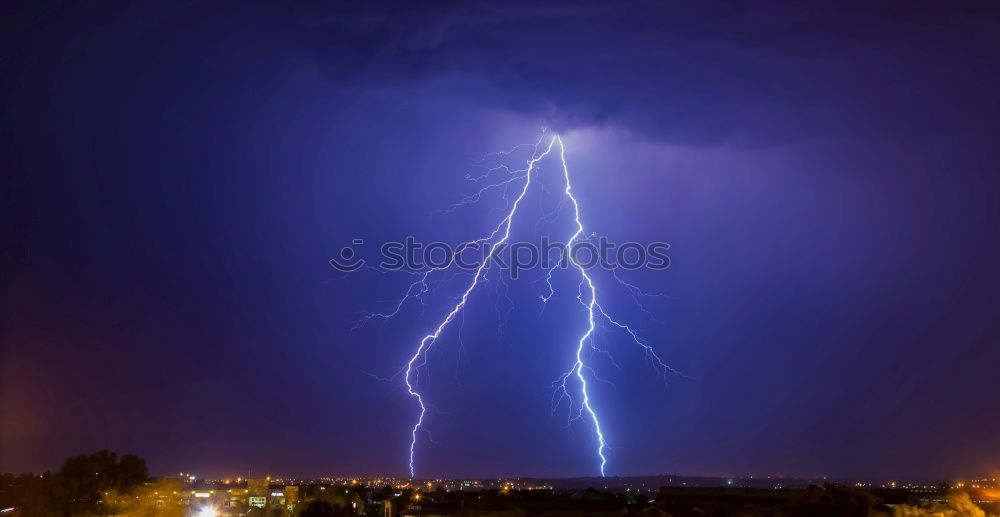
(589, 303)
(586, 296)
(429, 339)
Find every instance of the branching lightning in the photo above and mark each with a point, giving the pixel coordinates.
(429, 339)
(590, 303)
(586, 296)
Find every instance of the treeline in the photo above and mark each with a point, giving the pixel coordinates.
(78, 488)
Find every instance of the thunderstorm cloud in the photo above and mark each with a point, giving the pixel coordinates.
(702, 73)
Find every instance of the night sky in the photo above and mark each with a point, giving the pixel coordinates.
(177, 175)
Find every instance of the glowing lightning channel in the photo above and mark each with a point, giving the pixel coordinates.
(590, 304)
(586, 296)
(429, 339)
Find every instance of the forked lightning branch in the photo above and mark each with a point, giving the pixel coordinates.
(575, 384)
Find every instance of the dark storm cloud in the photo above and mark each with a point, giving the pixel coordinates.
(698, 73)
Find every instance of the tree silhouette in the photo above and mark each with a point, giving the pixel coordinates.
(79, 486)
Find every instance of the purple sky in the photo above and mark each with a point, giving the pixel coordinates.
(177, 177)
